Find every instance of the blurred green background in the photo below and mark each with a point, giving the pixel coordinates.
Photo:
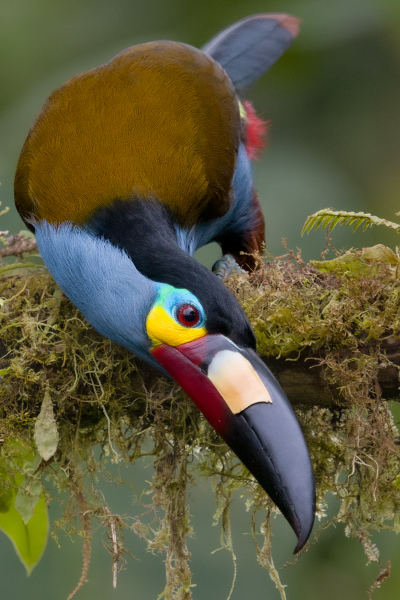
(333, 101)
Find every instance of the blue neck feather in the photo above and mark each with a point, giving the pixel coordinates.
(102, 282)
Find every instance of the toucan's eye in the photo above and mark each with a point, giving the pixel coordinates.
(188, 315)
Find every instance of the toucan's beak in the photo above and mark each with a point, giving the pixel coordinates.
(244, 403)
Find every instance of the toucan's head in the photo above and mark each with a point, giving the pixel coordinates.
(205, 342)
(217, 365)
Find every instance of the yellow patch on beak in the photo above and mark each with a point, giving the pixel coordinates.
(237, 381)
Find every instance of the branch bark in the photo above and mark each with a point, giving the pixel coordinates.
(305, 382)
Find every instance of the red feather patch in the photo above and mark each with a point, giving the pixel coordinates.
(256, 132)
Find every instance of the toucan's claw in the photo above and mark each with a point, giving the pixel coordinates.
(226, 266)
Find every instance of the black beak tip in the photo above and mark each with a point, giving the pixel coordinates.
(300, 544)
(302, 538)
(303, 527)
(277, 455)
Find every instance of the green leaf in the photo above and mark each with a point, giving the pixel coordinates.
(23, 510)
(30, 539)
(328, 219)
(380, 254)
(27, 498)
(46, 433)
(29, 487)
(375, 261)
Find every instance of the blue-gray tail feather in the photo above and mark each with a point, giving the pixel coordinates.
(250, 47)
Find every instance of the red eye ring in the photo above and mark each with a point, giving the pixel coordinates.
(188, 315)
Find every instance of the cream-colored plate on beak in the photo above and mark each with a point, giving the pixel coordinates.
(237, 381)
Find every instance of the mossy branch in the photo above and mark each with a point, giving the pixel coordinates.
(333, 340)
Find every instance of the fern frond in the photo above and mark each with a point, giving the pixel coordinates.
(328, 219)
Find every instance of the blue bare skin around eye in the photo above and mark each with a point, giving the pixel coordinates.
(171, 299)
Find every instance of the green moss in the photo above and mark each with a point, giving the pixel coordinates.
(104, 397)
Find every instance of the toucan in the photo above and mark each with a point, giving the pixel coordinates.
(127, 170)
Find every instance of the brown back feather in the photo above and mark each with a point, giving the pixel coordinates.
(159, 121)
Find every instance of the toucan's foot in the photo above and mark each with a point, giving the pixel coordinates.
(226, 266)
